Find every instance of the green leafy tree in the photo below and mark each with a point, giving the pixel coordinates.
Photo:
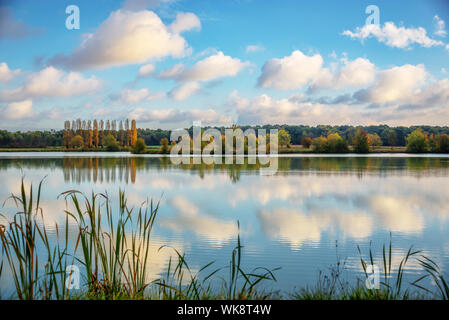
(336, 144)
(361, 143)
(139, 146)
(284, 138)
(417, 142)
(319, 144)
(111, 143)
(442, 143)
(164, 146)
(374, 139)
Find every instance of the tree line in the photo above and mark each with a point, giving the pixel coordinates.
(112, 135)
(99, 134)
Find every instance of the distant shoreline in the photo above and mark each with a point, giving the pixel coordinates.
(155, 150)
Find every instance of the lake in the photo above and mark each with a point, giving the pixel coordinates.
(312, 213)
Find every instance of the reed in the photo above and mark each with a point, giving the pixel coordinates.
(331, 286)
(21, 238)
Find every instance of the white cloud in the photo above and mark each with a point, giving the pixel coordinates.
(290, 72)
(211, 68)
(356, 73)
(126, 37)
(208, 116)
(410, 109)
(52, 82)
(145, 70)
(185, 90)
(18, 110)
(133, 96)
(439, 26)
(394, 85)
(265, 110)
(393, 36)
(254, 48)
(185, 21)
(6, 74)
(298, 70)
(172, 72)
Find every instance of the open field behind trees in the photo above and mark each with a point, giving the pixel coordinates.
(121, 136)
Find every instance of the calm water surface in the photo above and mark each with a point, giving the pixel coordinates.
(313, 212)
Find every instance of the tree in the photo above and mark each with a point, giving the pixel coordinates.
(390, 137)
(361, 143)
(284, 138)
(319, 144)
(374, 139)
(306, 142)
(67, 134)
(96, 138)
(164, 146)
(111, 143)
(77, 141)
(133, 133)
(442, 143)
(417, 142)
(139, 146)
(89, 134)
(336, 144)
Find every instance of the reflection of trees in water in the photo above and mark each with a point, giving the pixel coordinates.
(100, 169)
(125, 169)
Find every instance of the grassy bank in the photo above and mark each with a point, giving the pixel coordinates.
(112, 248)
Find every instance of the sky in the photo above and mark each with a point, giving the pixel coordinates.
(168, 63)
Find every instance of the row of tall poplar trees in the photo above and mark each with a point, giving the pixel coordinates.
(94, 133)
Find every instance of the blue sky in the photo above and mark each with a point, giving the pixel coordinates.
(224, 62)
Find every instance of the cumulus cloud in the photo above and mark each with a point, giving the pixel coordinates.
(393, 36)
(6, 74)
(52, 82)
(439, 26)
(290, 72)
(393, 85)
(172, 73)
(298, 70)
(134, 96)
(128, 37)
(208, 116)
(145, 70)
(408, 110)
(265, 110)
(184, 90)
(211, 68)
(18, 110)
(356, 73)
(185, 21)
